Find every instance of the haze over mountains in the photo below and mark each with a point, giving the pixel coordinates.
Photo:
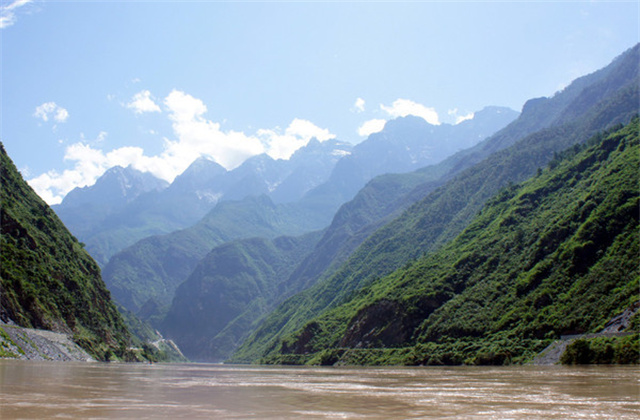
(545, 127)
(345, 254)
(138, 208)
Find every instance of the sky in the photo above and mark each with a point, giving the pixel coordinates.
(85, 86)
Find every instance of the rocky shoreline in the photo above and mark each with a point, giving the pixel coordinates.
(31, 344)
(614, 328)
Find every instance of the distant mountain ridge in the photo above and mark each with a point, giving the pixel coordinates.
(555, 255)
(115, 188)
(405, 144)
(125, 205)
(446, 197)
(131, 267)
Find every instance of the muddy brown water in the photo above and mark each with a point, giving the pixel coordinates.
(96, 390)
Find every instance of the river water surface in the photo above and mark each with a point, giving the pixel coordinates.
(97, 390)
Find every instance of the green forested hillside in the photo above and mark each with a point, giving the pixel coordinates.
(47, 279)
(148, 273)
(555, 255)
(590, 104)
(228, 292)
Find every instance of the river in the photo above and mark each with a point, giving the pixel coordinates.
(98, 390)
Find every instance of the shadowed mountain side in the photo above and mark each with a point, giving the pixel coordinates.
(228, 291)
(149, 271)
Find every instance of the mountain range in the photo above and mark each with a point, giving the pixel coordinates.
(148, 272)
(447, 201)
(475, 243)
(126, 205)
(554, 255)
(397, 218)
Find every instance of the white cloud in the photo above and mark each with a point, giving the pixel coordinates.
(404, 107)
(359, 105)
(297, 135)
(101, 136)
(25, 172)
(195, 136)
(61, 115)
(371, 126)
(8, 12)
(142, 102)
(459, 118)
(51, 110)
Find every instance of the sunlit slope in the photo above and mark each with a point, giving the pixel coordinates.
(555, 255)
(588, 105)
(48, 281)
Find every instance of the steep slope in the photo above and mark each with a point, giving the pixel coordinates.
(404, 145)
(148, 272)
(444, 212)
(228, 291)
(155, 266)
(86, 211)
(47, 280)
(556, 255)
(386, 196)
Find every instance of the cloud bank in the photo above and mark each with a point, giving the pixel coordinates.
(193, 136)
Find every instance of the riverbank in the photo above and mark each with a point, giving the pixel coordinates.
(31, 344)
(615, 328)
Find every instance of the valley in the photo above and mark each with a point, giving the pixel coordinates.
(479, 242)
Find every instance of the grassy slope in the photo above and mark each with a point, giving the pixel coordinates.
(48, 280)
(556, 255)
(590, 104)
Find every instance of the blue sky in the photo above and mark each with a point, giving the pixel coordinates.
(89, 85)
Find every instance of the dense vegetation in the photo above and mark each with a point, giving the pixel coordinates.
(147, 273)
(47, 279)
(545, 127)
(603, 350)
(555, 255)
(228, 292)
(144, 277)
